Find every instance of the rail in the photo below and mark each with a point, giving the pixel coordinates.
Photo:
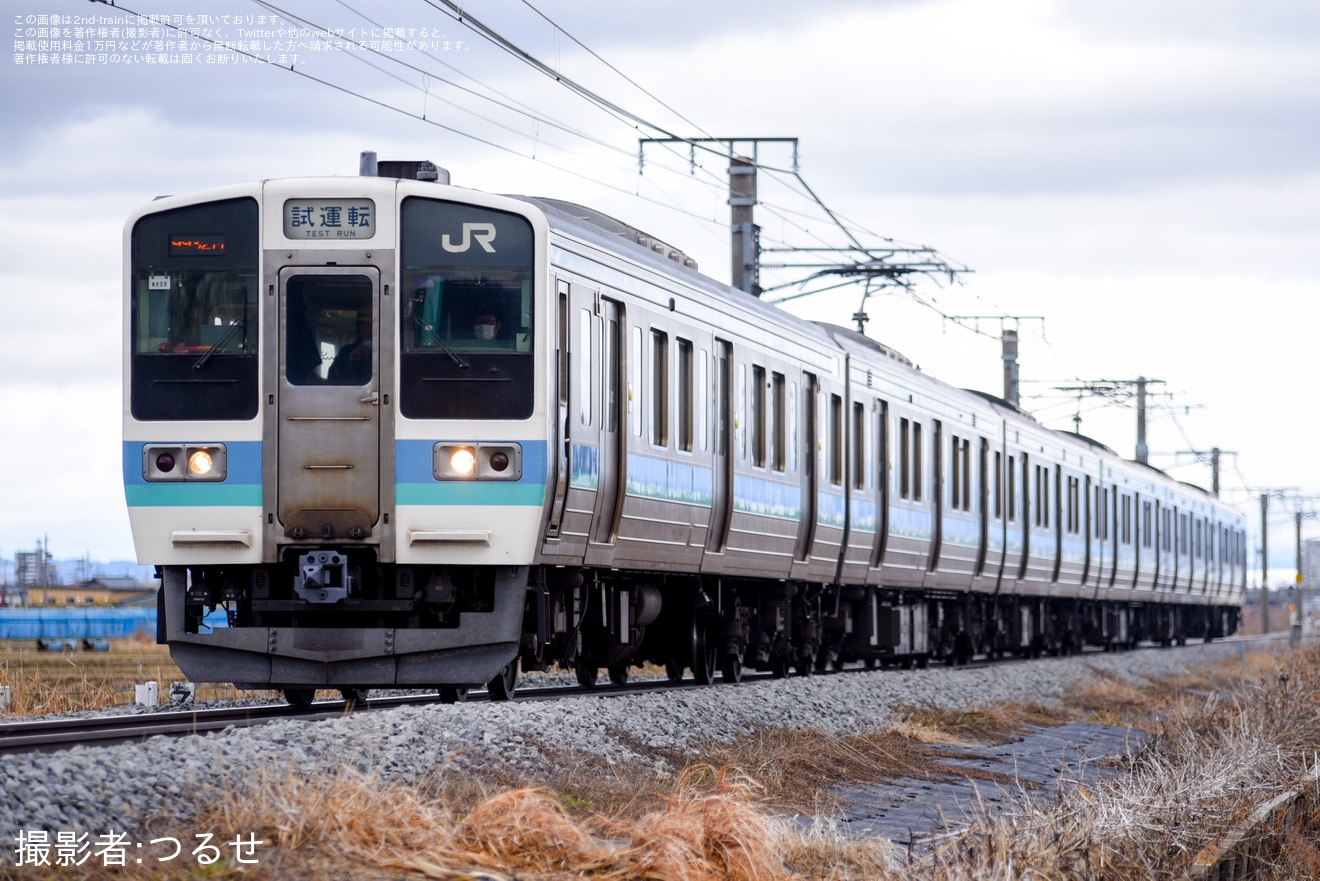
(1248, 850)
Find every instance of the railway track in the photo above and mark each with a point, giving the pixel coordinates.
(51, 735)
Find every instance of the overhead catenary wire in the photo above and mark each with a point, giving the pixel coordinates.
(593, 179)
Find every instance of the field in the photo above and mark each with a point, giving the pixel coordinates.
(69, 681)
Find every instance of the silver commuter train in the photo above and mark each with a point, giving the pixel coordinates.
(412, 435)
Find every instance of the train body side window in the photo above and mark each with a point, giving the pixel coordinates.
(584, 366)
(999, 484)
(960, 474)
(741, 419)
(916, 461)
(792, 427)
(836, 440)
(635, 380)
(882, 449)
(659, 388)
(703, 401)
(1074, 505)
(1012, 489)
(955, 473)
(904, 459)
(859, 445)
(758, 417)
(779, 423)
(685, 395)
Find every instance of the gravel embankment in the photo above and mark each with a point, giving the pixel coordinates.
(95, 790)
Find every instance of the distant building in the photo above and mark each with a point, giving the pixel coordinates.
(96, 592)
(32, 568)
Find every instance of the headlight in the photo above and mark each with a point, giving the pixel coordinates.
(463, 462)
(161, 462)
(477, 461)
(199, 463)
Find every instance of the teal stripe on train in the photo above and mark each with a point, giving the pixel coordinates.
(193, 495)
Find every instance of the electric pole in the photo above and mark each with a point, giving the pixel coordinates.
(1214, 454)
(745, 235)
(1122, 390)
(1264, 563)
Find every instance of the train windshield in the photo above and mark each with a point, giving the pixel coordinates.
(194, 297)
(467, 312)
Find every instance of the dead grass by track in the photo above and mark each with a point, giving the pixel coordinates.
(1222, 741)
(43, 682)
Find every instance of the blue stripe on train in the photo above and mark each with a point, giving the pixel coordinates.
(241, 486)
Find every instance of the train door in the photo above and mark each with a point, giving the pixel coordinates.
(881, 466)
(936, 485)
(563, 382)
(612, 480)
(722, 488)
(982, 496)
(580, 343)
(328, 424)
(810, 434)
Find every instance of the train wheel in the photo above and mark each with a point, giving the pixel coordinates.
(354, 697)
(869, 663)
(501, 688)
(300, 697)
(778, 667)
(705, 656)
(452, 695)
(923, 661)
(585, 671)
(618, 673)
(731, 668)
(803, 666)
(673, 670)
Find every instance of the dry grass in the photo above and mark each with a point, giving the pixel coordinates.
(1225, 741)
(44, 682)
(1222, 742)
(707, 828)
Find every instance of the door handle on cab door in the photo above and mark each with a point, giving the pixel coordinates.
(372, 398)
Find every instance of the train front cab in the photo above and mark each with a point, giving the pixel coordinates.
(365, 517)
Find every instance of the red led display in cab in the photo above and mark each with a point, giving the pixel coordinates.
(181, 246)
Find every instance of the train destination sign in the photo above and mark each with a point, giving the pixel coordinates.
(186, 245)
(329, 218)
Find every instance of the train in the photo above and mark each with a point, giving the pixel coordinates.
(406, 434)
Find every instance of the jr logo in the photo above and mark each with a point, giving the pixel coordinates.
(483, 233)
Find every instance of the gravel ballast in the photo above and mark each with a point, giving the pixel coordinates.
(121, 788)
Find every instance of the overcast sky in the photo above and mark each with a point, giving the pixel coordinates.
(1142, 175)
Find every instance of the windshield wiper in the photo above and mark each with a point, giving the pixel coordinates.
(448, 350)
(234, 327)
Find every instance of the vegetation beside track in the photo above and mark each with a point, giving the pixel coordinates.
(66, 681)
(1223, 741)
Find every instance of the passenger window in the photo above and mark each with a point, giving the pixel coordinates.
(758, 417)
(859, 446)
(836, 440)
(635, 380)
(584, 366)
(703, 400)
(659, 388)
(685, 395)
(778, 435)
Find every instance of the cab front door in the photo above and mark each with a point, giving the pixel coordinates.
(329, 403)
